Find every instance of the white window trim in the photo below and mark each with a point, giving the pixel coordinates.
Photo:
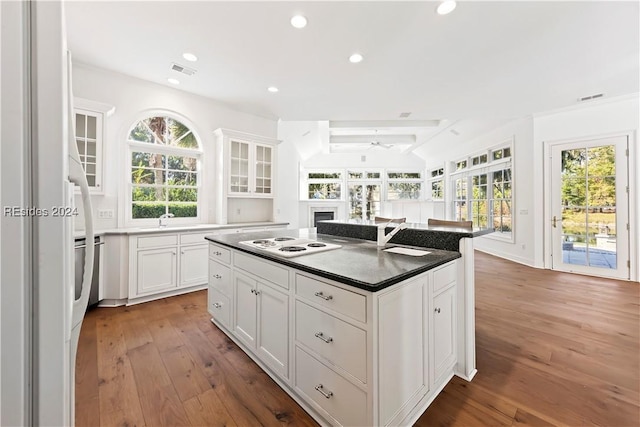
(304, 193)
(131, 146)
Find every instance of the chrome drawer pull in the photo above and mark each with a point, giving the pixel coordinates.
(217, 305)
(323, 296)
(437, 310)
(217, 253)
(217, 276)
(321, 336)
(326, 394)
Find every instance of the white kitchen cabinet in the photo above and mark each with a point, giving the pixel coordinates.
(156, 270)
(444, 326)
(89, 133)
(352, 356)
(193, 265)
(261, 321)
(249, 163)
(166, 264)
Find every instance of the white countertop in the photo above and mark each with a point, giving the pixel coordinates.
(179, 228)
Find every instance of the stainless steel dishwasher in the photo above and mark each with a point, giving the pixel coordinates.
(80, 248)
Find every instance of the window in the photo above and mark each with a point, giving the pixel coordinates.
(364, 194)
(460, 200)
(437, 184)
(483, 191)
(324, 185)
(404, 185)
(165, 169)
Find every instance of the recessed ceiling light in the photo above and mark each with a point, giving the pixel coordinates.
(173, 81)
(272, 89)
(299, 21)
(446, 7)
(355, 58)
(189, 57)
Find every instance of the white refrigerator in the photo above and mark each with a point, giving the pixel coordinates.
(39, 317)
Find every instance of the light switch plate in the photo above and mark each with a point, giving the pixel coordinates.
(105, 213)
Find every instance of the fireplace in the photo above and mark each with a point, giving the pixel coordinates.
(322, 216)
(322, 213)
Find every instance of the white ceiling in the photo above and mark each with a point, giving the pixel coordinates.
(485, 60)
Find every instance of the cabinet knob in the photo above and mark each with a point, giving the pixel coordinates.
(217, 305)
(323, 296)
(437, 310)
(322, 337)
(217, 253)
(217, 276)
(321, 389)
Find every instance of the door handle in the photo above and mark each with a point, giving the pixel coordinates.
(554, 221)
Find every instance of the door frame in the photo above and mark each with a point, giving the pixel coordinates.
(633, 209)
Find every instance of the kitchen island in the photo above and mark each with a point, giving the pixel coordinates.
(356, 335)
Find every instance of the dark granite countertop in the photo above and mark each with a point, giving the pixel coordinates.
(357, 263)
(420, 235)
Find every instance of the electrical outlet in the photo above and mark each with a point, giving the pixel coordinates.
(105, 213)
(238, 211)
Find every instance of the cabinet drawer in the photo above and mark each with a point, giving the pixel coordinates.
(219, 307)
(219, 253)
(157, 241)
(444, 276)
(343, 401)
(187, 239)
(347, 347)
(220, 278)
(263, 269)
(343, 301)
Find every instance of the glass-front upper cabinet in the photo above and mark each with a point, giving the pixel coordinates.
(89, 142)
(89, 133)
(249, 160)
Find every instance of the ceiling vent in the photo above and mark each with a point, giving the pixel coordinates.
(404, 115)
(590, 97)
(182, 69)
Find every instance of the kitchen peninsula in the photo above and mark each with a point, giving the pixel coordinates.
(357, 335)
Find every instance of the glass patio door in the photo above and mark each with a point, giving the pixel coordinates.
(590, 207)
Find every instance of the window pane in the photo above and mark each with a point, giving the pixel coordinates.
(80, 125)
(148, 202)
(404, 190)
(373, 175)
(355, 175)
(497, 154)
(355, 201)
(506, 152)
(324, 191)
(91, 127)
(404, 175)
(461, 165)
(437, 190)
(372, 201)
(322, 175)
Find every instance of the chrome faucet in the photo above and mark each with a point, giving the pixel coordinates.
(382, 238)
(162, 220)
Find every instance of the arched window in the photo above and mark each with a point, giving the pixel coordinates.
(165, 167)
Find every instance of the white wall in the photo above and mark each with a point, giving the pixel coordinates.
(131, 97)
(305, 145)
(618, 116)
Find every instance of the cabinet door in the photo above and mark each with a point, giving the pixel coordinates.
(245, 317)
(273, 324)
(239, 167)
(88, 135)
(193, 265)
(156, 270)
(263, 167)
(443, 330)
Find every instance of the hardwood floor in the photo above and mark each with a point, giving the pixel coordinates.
(553, 349)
